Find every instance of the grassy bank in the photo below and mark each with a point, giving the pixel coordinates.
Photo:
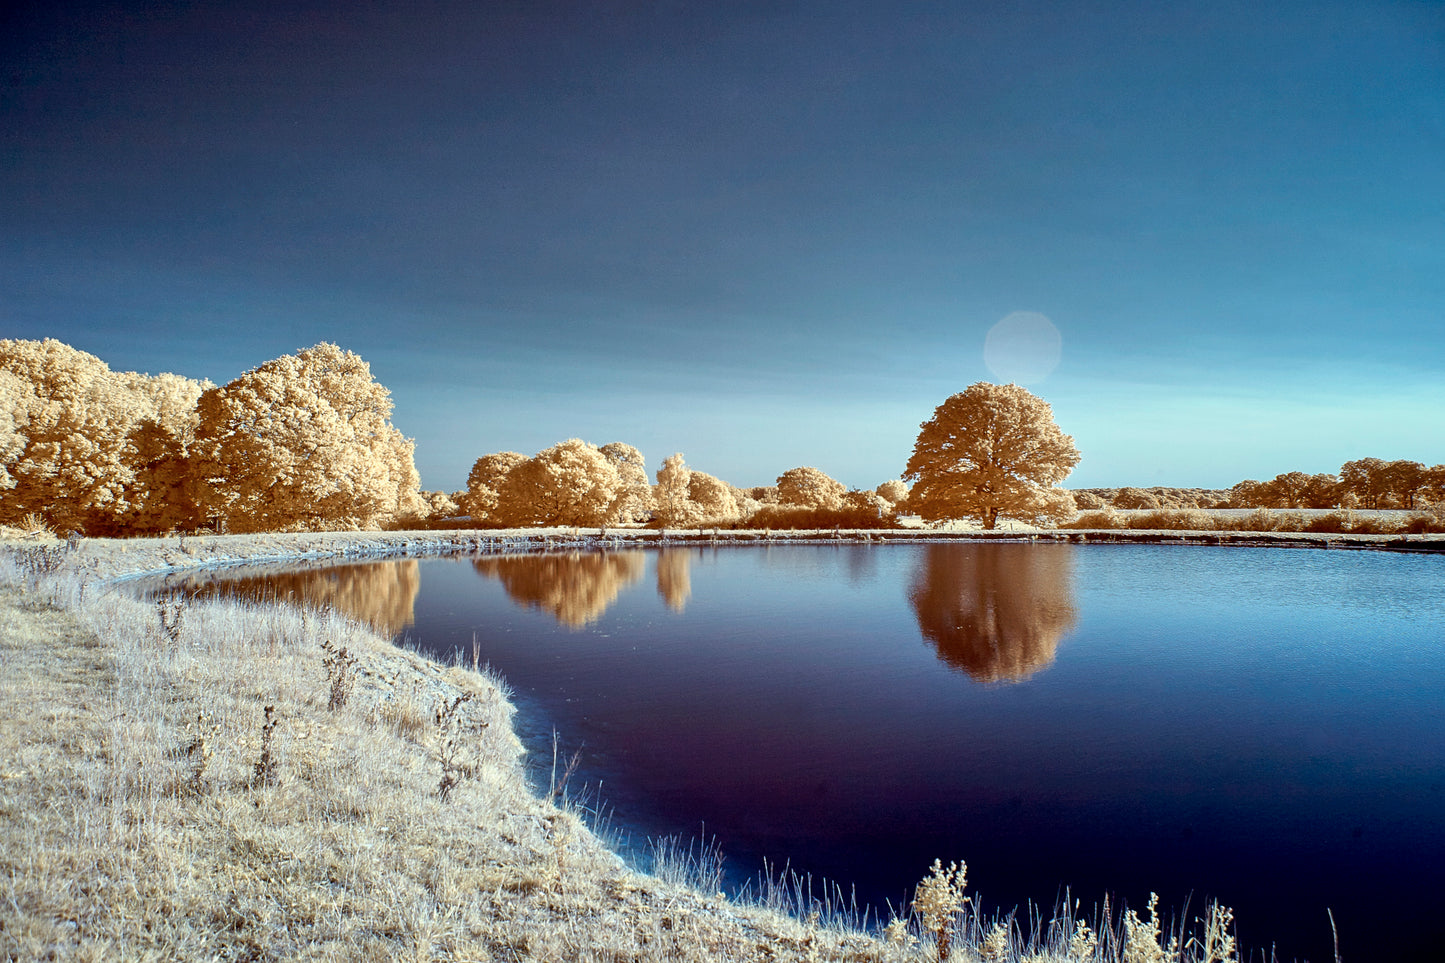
(214, 780)
(1299, 520)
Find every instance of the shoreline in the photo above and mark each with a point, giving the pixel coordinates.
(158, 556)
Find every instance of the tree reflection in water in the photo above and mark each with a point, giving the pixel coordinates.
(379, 594)
(575, 588)
(674, 583)
(998, 612)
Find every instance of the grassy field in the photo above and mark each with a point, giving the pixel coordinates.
(214, 780)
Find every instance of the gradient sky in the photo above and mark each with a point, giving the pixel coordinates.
(762, 234)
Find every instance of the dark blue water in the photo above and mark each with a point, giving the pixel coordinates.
(1265, 727)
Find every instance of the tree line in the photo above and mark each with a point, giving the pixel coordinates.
(580, 484)
(304, 441)
(1366, 483)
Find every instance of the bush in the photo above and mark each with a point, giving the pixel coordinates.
(1104, 518)
(1135, 498)
(1185, 519)
(1342, 522)
(799, 517)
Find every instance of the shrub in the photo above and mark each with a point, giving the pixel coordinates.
(797, 517)
(1135, 498)
(1105, 518)
(1178, 519)
(938, 900)
(303, 442)
(809, 488)
(571, 483)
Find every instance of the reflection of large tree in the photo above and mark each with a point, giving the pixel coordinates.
(576, 588)
(673, 582)
(380, 594)
(997, 612)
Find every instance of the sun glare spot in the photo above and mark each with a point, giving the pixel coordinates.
(1023, 348)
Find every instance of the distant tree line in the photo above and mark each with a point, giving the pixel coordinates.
(578, 483)
(1367, 483)
(990, 452)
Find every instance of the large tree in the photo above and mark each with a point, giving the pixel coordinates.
(810, 488)
(894, 491)
(485, 482)
(685, 496)
(1405, 480)
(713, 497)
(674, 480)
(1367, 479)
(636, 502)
(303, 442)
(66, 428)
(571, 483)
(988, 452)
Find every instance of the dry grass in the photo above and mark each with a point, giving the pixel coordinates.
(796, 517)
(201, 784)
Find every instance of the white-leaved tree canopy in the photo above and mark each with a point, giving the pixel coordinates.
(303, 442)
(992, 451)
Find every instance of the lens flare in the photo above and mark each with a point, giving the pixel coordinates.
(1023, 348)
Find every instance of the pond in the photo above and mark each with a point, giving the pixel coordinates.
(1261, 726)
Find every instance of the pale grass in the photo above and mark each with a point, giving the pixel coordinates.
(132, 825)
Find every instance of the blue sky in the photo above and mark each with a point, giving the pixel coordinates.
(765, 235)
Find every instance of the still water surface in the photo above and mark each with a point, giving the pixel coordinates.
(1261, 726)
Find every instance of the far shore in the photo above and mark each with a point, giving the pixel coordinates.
(124, 558)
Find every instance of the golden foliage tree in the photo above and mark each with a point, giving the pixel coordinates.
(809, 488)
(635, 503)
(674, 480)
(66, 428)
(485, 481)
(571, 483)
(1367, 479)
(1405, 480)
(893, 491)
(992, 451)
(304, 442)
(164, 495)
(164, 490)
(712, 499)
(1435, 484)
(12, 417)
(439, 504)
(685, 496)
